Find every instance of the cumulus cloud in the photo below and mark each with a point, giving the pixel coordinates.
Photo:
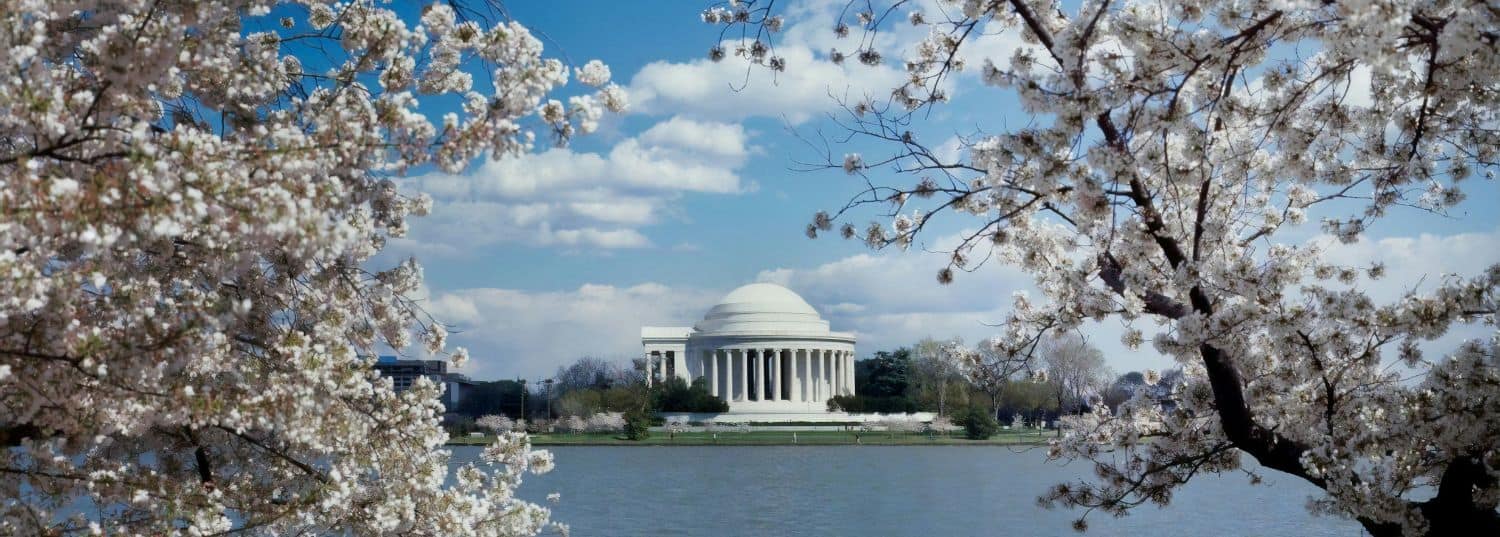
(514, 333)
(561, 197)
(1417, 263)
(893, 299)
(812, 85)
(719, 90)
(887, 300)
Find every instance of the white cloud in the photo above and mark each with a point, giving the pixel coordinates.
(731, 89)
(514, 333)
(1423, 259)
(578, 199)
(1418, 264)
(1359, 93)
(812, 84)
(603, 238)
(888, 300)
(706, 139)
(893, 299)
(726, 90)
(950, 150)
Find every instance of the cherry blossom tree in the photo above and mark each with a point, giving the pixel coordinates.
(573, 424)
(990, 367)
(1075, 369)
(189, 195)
(1176, 156)
(942, 425)
(605, 422)
(935, 365)
(497, 423)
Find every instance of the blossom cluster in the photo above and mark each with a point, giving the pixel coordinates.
(1175, 157)
(599, 422)
(192, 194)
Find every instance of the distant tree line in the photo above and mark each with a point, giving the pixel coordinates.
(925, 377)
(587, 387)
(928, 377)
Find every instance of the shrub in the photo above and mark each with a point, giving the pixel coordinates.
(862, 404)
(637, 425)
(978, 425)
(676, 395)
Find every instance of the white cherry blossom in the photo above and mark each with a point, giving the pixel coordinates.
(190, 195)
(1171, 148)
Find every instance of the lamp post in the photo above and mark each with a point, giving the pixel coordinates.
(523, 397)
(548, 384)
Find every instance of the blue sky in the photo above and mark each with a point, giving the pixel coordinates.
(563, 253)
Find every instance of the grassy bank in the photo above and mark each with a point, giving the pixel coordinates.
(775, 438)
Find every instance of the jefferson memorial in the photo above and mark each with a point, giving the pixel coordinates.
(763, 349)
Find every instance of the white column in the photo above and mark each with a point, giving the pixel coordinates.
(844, 373)
(804, 379)
(836, 371)
(796, 384)
(844, 368)
(736, 363)
(849, 377)
(761, 362)
(759, 374)
(775, 374)
(828, 372)
(790, 390)
(826, 375)
(648, 367)
(712, 371)
(817, 372)
(812, 374)
(838, 378)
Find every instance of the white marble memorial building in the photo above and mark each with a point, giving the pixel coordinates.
(763, 349)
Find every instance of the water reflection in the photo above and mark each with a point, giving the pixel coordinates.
(881, 491)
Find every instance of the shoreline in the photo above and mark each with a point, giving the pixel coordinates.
(768, 438)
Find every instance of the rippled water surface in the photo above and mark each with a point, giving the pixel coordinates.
(882, 491)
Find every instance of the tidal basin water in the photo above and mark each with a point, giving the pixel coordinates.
(882, 491)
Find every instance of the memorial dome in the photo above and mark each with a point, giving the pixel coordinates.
(762, 308)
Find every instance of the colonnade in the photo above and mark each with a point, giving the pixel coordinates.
(770, 374)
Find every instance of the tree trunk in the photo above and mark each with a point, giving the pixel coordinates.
(942, 396)
(1452, 512)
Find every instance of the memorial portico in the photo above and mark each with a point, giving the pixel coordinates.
(762, 348)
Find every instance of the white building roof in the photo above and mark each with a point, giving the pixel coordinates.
(762, 308)
(665, 332)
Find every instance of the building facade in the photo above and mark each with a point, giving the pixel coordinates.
(762, 348)
(405, 372)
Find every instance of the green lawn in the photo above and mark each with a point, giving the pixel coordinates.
(776, 438)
